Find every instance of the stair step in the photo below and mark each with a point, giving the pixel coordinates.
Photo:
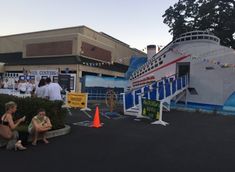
(136, 111)
(131, 113)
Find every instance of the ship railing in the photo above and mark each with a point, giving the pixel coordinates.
(161, 90)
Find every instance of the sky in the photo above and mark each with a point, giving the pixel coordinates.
(135, 22)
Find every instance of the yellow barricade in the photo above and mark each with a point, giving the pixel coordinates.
(77, 100)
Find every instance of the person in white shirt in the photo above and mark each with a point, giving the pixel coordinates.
(41, 89)
(22, 87)
(30, 87)
(5, 83)
(53, 90)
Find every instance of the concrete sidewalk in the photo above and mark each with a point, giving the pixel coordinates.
(192, 142)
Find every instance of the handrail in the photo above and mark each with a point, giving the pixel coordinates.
(162, 84)
(157, 81)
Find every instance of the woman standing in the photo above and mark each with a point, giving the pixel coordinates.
(7, 119)
(41, 89)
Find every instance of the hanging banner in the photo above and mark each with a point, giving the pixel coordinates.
(64, 81)
(44, 72)
(151, 108)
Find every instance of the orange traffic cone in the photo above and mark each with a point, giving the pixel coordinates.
(96, 121)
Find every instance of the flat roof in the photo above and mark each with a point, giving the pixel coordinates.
(66, 28)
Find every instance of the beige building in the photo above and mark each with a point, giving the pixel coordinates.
(78, 51)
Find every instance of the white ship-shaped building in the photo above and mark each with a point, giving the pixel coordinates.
(209, 65)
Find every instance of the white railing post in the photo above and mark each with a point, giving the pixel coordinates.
(124, 102)
(133, 95)
(157, 90)
(142, 91)
(140, 105)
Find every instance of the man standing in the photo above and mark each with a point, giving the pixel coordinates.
(53, 90)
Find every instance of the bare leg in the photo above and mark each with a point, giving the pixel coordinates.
(11, 143)
(35, 137)
(44, 138)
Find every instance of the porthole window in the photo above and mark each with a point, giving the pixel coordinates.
(160, 62)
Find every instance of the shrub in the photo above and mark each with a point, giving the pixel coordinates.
(29, 106)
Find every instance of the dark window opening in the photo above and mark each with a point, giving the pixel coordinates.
(210, 68)
(188, 38)
(183, 69)
(192, 91)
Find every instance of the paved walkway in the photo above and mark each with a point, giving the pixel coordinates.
(192, 142)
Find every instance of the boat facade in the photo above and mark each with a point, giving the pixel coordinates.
(209, 65)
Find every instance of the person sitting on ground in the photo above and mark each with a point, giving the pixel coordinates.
(40, 124)
(7, 119)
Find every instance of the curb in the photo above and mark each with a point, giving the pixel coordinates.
(50, 134)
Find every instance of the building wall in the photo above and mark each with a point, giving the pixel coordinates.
(77, 69)
(2, 68)
(14, 43)
(50, 46)
(120, 52)
(84, 39)
(80, 41)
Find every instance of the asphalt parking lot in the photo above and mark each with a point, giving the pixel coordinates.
(192, 142)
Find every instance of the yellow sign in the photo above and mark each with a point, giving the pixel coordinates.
(77, 100)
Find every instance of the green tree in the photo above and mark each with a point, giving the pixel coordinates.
(217, 16)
